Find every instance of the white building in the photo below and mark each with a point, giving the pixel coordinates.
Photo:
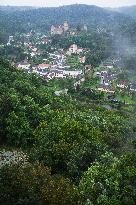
(72, 73)
(63, 74)
(24, 65)
(122, 84)
(55, 74)
(33, 54)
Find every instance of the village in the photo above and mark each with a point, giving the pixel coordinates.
(51, 62)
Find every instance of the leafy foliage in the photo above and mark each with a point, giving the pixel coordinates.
(110, 181)
(68, 137)
(33, 184)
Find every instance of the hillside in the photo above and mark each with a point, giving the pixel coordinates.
(62, 151)
(15, 8)
(67, 107)
(41, 19)
(128, 10)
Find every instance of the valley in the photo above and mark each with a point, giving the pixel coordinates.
(67, 106)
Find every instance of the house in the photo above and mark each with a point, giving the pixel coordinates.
(104, 73)
(133, 88)
(82, 59)
(49, 76)
(55, 74)
(72, 73)
(107, 65)
(98, 74)
(33, 54)
(104, 81)
(66, 67)
(54, 66)
(72, 33)
(73, 49)
(43, 66)
(88, 68)
(80, 50)
(24, 65)
(42, 73)
(34, 68)
(58, 73)
(105, 88)
(34, 49)
(122, 84)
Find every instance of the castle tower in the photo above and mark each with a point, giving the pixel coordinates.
(66, 26)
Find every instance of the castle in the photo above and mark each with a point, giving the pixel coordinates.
(59, 29)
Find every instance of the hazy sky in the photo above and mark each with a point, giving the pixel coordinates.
(104, 3)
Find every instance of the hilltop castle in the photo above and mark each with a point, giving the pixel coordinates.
(59, 29)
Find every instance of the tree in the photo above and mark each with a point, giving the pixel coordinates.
(18, 129)
(66, 144)
(34, 184)
(110, 181)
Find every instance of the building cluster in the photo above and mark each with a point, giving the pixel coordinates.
(122, 84)
(59, 30)
(107, 78)
(62, 29)
(105, 81)
(58, 68)
(50, 71)
(63, 74)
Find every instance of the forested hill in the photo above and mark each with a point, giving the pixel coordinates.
(41, 19)
(15, 8)
(128, 10)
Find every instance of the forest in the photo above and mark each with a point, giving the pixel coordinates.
(76, 153)
(14, 20)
